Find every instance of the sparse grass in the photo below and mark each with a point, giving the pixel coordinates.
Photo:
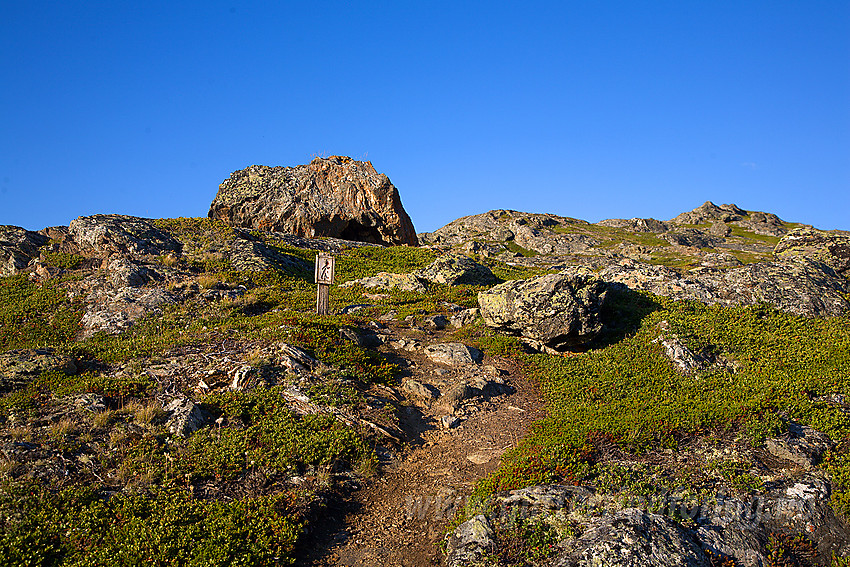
(62, 428)
(369, 260)
(104, 418)
(517, 249)
(149, 413)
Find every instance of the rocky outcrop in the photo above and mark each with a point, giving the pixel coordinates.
(801, 287)
(557, 311)
(103, 235)
(18, 247)
(336, 197)
(457, 269)
(832, 247)
(636, 225)
(663, 529)
(389, 280)
(692, 237)
(755, 221)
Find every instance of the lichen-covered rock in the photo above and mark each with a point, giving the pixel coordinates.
(464, 317)
(19, 367)
(121, 234)
(388, 280)
(636, 225)
(126, 273)
(248, 254)
(832, 248)
(692, 237)
(559, 311)
(634, 538)
(534, 232)
(18, 247)
(336, 196)
(453, 354)
(709, 212)
(720, 260)
(470, 544)
(753, 221)
(115, 312)
(185, 417)
(801, 287)
(457, 269)
(801, 444)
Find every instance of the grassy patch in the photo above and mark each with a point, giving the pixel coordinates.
(34, 315)
(369, 260)
(628, 393)
(517, 249)
(79, 526)
(744, 233)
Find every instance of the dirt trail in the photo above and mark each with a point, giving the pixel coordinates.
(399, 517)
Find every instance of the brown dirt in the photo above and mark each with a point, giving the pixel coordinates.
(400, 516)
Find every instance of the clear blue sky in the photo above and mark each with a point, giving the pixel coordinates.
(584, 109)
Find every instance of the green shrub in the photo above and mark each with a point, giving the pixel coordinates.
(79, 526)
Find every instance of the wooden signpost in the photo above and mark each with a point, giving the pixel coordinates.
(325, 264)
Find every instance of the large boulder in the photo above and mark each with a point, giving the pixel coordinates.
(18, 247)
(336, 197)
(558, 311)
(121, 234)
(832, 248)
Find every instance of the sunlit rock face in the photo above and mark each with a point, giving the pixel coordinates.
(334, 197)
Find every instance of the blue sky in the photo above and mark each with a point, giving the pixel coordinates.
(584, 109)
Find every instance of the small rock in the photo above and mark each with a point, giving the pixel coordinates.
(479, 458)
(471, 543)
(185, 417)
(420, 389)
(801, 445)
(449, 422)
(355, 308)
(438, 322)
(453, 354)
(464, 317)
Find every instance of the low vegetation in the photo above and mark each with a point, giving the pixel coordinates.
(629, 397)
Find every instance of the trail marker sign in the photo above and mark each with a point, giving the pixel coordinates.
(325, 265)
